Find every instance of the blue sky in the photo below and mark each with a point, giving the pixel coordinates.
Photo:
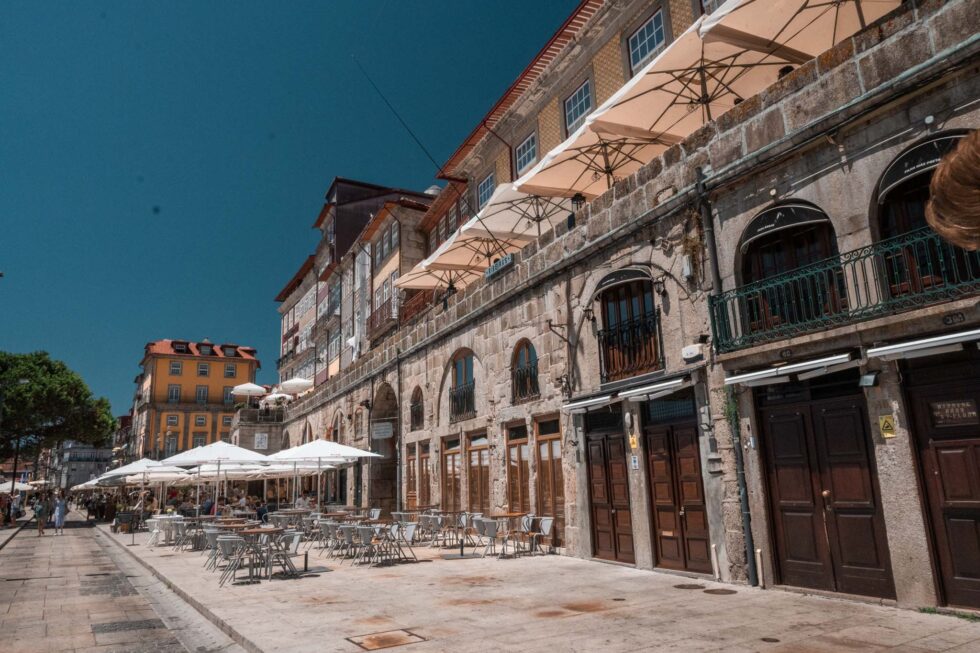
(161, 162)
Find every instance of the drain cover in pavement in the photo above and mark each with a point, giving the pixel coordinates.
(721, 592)
(387, 639)
(770, 640)
(689, 586)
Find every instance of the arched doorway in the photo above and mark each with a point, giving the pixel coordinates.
(383, 432)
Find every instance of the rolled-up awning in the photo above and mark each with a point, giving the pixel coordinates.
(583, 405)
(805, 370)
(656, 390)
(779, 217)
(925, 346)
(918, 159)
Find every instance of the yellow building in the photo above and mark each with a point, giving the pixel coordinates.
(183, 395)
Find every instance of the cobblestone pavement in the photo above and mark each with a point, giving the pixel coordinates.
(73, 592)
(543, 603)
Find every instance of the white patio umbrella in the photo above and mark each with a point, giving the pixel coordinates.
(134, 467)
(690, 83)
(18, 487)
(248, 390)
(589, 162)
(156, 476)
(296, 385)
(423, 278)
(321, 452)
(211, 471)
(793, 29)
(276, 398)
(512, 214)
(472, 250)
(221, 453)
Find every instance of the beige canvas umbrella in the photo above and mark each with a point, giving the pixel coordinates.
(793, 29)
(687, 85)
(472, 248)
(589, 162)
(515, 215)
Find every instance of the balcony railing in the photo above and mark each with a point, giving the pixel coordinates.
(261, 415)
(382, 318)
(415, 305)
(631, 348)
(524, 383)
(418, 419)
(891, 276)
(462, 402)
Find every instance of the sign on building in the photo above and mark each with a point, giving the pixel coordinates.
(261, 441)
(382, 430)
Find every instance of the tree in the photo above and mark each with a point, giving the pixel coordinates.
(45, 403)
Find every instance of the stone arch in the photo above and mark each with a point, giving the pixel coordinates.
(442, 407)
(383, 433)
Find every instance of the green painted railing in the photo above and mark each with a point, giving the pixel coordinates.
(891, 276)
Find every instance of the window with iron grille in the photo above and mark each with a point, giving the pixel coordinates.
(526, 153)
(462, 395)
(646, 41)
(577, 106)
(524, 373)
(485, 190)
(416, 409)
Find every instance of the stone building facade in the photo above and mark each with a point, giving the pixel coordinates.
(666, 439)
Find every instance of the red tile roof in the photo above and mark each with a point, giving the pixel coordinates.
(372, 226)
(565, 35)
(166, 348)
(297, 279)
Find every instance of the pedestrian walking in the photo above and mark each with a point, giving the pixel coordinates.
(60, 512)
(42, 511)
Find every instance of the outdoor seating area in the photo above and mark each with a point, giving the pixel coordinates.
(239, 550)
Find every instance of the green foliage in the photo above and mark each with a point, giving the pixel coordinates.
(44, 403)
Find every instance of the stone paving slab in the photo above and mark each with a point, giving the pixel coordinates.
(543, 603)
(66, 593)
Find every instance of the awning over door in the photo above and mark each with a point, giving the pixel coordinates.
(656, 390)
(917, 160)
(944, 344)
(803, 370)
(779, 217)
(583, 405)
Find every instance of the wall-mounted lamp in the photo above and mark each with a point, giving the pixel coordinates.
(658, 286)
(589, 314)
(366, 403)
(869, 380)
(578, 201)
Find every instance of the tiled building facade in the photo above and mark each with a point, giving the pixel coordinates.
(707, 374)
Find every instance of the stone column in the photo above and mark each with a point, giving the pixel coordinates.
(640, 513)
(901, 495)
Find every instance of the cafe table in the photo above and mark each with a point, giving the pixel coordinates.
(253, 537)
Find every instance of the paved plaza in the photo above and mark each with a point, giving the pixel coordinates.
(73, 592)
(545, 603)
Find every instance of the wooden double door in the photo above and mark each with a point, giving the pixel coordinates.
(680, 518)
(609, 495)
(828, 526)
(947, 435)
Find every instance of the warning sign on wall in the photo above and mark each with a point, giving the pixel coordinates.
(886, 423)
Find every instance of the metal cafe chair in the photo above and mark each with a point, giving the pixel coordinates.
(544, 532)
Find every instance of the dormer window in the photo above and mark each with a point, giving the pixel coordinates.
(230, 351)
(205, 350)
(180, 347)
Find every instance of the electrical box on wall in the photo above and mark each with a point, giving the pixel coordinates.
(692, 353)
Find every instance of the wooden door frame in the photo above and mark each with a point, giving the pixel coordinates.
(925, 505)
(604, 435)
(693, 422)
(538, 441)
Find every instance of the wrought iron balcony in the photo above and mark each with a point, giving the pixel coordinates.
(462, 402)
(416, 304)
(891, 276)
(631, 348)
(417, 416)
(382, 319)
(524, 383)
(272, 415)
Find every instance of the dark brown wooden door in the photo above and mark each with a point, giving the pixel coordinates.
(947, 431)
(680, 520)
(612, 524)
(828, 526)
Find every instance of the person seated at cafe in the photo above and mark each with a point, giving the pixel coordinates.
(207, 505)
(261, 510)
(302, 503)
(242, 502)
(186, 505)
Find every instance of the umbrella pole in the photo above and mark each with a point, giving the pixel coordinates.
(319, 485)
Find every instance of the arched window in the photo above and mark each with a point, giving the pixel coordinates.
(462, 391)
(358, 423)
(791, 274)
(417, 410)
(630, 342)
(915, 259)
(335, 429)
(524, 373)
